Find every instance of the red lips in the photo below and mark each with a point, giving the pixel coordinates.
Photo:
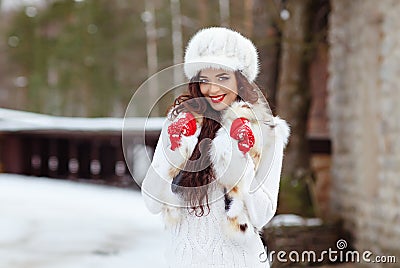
(218, 98)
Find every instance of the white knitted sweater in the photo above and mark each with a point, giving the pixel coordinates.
(203, 242)
(226, 236)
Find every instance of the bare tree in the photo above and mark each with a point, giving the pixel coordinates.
(248, 17)
(177, 49)
(224, 12)
(202, 7)
(267, 39)
(294, 91)
(148, 16)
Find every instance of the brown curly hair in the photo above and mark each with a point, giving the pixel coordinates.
(192, 186)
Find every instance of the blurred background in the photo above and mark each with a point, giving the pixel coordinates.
(68, 69)
(86, 58)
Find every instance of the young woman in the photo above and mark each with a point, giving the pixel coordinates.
(216, 168)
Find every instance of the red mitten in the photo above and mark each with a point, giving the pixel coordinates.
(184, 124)
(241, 131)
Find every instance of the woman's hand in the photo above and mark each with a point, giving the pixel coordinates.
(241, 131)
(184, 124)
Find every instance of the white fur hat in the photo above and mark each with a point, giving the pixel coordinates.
(221, 48)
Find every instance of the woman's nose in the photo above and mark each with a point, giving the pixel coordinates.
(214, 88)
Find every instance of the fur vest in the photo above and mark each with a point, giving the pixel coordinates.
(250, 180)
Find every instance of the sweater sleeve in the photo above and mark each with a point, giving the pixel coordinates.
(261, 201)
(156, 186)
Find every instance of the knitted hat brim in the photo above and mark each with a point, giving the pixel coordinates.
(193, 67)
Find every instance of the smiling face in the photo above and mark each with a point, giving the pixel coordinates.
(219, 87)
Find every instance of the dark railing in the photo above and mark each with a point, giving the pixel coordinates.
(76, 155)
(84, 156)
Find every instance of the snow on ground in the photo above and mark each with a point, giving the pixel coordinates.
(60, 224)
(14, 120)
(293, 220)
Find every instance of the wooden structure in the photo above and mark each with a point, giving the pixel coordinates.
(70, 149)
(80, 149)
(68, 155)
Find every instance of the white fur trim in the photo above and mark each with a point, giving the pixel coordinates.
(171, 215)
(271, 136)
(282, 130)
(230, 164)
(221, 48)
(257, 112)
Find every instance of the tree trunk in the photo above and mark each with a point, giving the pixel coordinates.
(224, 13)
(151, 50)
(294, 99)
(248, 18)
(266, 37)
(177, 47)
(202, 7)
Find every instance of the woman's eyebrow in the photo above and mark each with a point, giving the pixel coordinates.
(221, 74)
(202, 76)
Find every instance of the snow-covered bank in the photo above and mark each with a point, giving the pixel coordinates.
(50, 223)
(14, 120)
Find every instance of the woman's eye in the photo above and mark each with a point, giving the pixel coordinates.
(222, 78)
(202, 81)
